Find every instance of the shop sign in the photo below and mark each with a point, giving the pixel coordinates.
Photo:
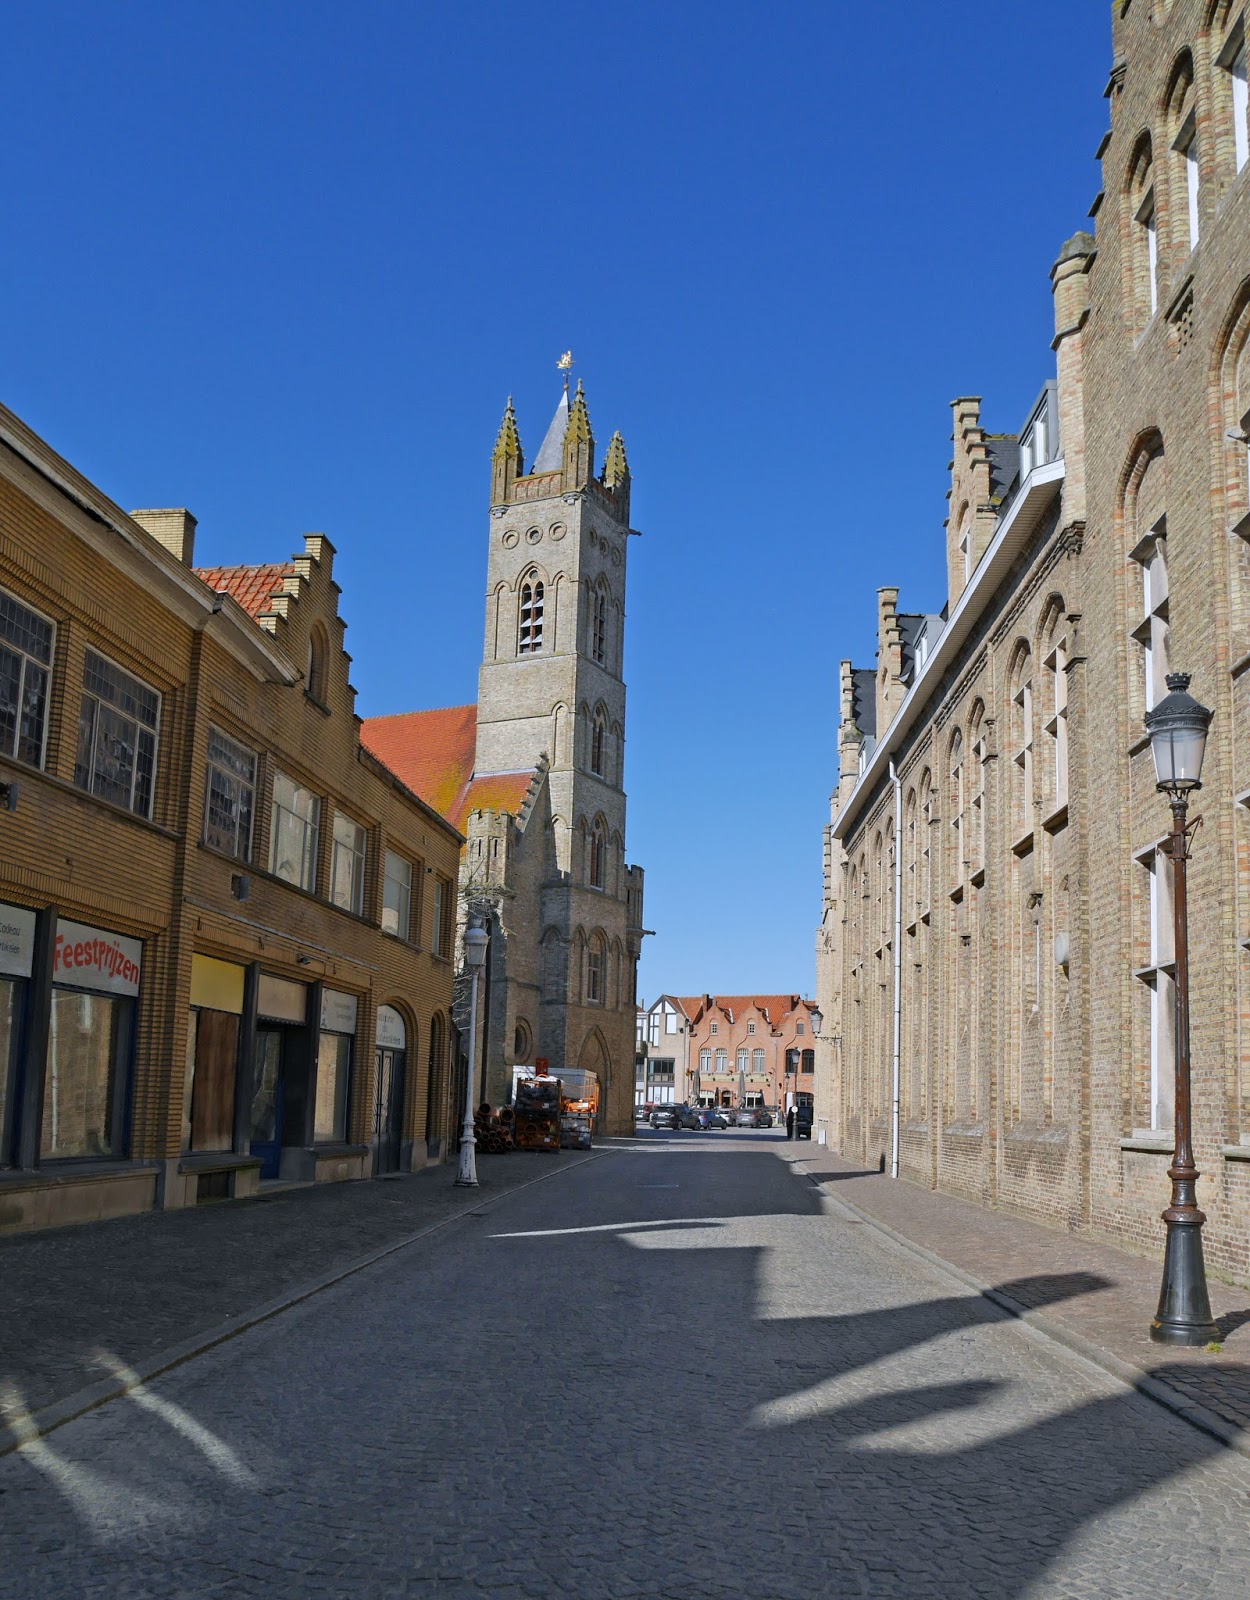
(338, 1011)
(217, 985)
(280, 1000)
(392, 1034)
(17, 941)
(93, 958)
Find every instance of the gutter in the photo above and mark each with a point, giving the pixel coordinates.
(1013, 533)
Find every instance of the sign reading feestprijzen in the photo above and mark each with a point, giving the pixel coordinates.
(93, 958)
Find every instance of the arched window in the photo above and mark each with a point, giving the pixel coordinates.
(315, 680)
(530, 632)
(599, 629)
(1022, 742)
(955, 809)
(1055, 709)
(1182, 125)
(594, 970)
(598, 856)
(975, 825)
(1142, 223)
(598, 741)
(1232, 108)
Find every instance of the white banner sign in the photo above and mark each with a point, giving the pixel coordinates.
(17, 941)
(93, 958)
(391, 1032)
(338, 1011)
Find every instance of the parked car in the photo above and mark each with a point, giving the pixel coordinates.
(754, 1117)
(643, 1113)
(802, 1122)
(709, 1117)
(674, 1117)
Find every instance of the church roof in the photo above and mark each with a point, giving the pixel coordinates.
(252, 587)
(432, 752)
(551, 456)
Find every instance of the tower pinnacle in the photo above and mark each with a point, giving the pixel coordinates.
(507, 462)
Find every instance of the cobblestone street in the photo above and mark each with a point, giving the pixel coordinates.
(678, 1369)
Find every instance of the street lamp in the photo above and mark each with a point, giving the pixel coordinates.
(1178, 736)
(818, 1021)
(475, 941)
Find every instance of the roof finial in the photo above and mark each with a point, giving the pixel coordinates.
(565, 365)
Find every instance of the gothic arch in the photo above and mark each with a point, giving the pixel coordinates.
(317, 676)
(560, 720)
(594, 1056)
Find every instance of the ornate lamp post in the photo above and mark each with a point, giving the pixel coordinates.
(1178, 736)
(475, 941)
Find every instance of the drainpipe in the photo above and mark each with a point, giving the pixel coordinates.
(898, 966)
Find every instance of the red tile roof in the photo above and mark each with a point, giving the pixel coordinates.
(432, 752)
(773, 1006)
(252, 587)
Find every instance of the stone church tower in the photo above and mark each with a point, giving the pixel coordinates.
(551, 706)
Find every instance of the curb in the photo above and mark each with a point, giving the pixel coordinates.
(35, 1425)
(1125, 1372)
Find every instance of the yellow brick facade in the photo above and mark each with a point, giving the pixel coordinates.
(109, 587)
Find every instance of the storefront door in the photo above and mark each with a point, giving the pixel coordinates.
(267, 1088)
(388, 1110)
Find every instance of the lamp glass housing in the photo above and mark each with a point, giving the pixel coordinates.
(1178, 737)
(475, 942)
(818, 1018)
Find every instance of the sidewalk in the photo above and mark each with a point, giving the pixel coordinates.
(1098, 1300)
(146, 1288)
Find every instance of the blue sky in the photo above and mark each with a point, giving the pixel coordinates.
(282, 263)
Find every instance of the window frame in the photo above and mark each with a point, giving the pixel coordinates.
(387, 857)
(531, 611)
(210, 766)
(88, 694)
(359, 862)
(48, 668)
(313, 855)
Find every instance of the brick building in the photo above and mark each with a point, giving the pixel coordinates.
(749, 1049)
(996, 938)
(225, 928)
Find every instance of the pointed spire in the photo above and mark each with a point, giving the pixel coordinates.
(579, 443)
(550, 457)
(507, 462)
(615, 463)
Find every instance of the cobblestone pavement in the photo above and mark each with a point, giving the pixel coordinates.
(676, 1371)
(141, 1284)
(994, 1247)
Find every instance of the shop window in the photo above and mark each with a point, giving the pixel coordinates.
(26, 641)
(293, 832)
(117, 728)
(347, 865)
(396, 895)
(334, 1061)
(84, 1086)
(10, 1014)
(230, 800)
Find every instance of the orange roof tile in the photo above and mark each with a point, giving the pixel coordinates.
(773, 1006)
(252, 587)
(432, 752)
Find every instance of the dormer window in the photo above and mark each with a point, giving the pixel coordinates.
(530, 632)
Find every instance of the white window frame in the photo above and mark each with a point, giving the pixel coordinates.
(348, 856)
(530, 616)
(1148, 220)
(1159, 977)
(29, 662)
(1186, 146)
(1056, 665)
(399, 926)
(759, 1063)
(311, 826)
(594, 973)
(1154, 633)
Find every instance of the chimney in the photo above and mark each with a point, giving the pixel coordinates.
(174, 528)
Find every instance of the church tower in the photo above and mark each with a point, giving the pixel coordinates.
(551, 701)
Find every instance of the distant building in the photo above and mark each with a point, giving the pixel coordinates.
(662, 1065)
(533, 774)
(749, 1050)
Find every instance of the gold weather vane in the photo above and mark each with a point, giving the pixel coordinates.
(565, 365)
